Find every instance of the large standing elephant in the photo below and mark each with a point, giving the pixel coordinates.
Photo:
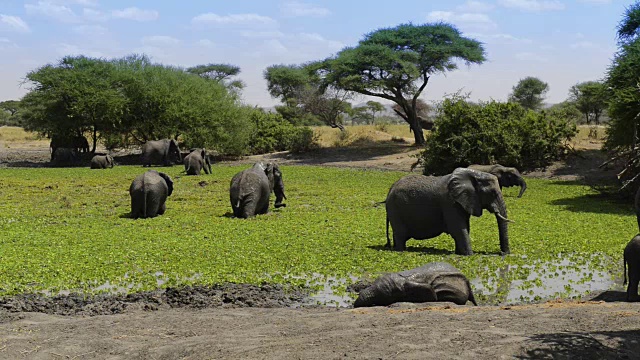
(437, 281)
(102, 162)
(196, 161)
(423, 207)
(78, 143)
(250, 190)
(632, 260)
(160, 152)
(149, 192)
(507, 176)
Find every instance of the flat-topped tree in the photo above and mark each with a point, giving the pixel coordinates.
(397, 63)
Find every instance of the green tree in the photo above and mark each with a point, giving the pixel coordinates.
(590, 98)
(221, 73)
(9, 113)
(529, 92)
(374, 107)
(396, 63)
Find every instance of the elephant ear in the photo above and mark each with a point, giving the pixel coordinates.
(169, 182)
(269, 171)
(203, 153)
(462, 189)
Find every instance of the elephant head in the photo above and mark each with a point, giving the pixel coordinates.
(476, 190)
(510, 176)
(275, 183)
(205, 158)
(173, 150)
(109, 159)
(169, 182)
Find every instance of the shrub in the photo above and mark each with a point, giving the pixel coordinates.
(494, 132)
(274, 133)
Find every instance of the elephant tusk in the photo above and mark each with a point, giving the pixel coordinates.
(504, 218)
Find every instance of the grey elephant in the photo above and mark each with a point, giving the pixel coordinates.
(250, 190)
(63, 156)
(149, 192)
(507, 176)
(632, 261)
(160, 152)
(437, 281)
(423, 207)
(79, 143)
(196, 161)
(102, 162)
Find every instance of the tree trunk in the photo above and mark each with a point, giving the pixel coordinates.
(95, 139)
(417, 130)
(336, 125)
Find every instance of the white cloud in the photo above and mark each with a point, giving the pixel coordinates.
(136, 14)
(532, 5)
(318, 39)
(473, 6)
(468, 21)
(261, 34)
(94, 15)
(51, 9)
(583, 45)
(295, 8)
(64, 49)
(531, 57)
(233, 19)
(160, 41)
(206, 43)
(90, 30)
(6, 44)
(91, 3)
(499, 38)
(13, 23)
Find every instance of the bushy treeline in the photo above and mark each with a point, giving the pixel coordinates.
(131, 100)
(494, 132)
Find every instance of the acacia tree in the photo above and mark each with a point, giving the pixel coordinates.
(300, 88)
(396, 64)
(9, 114)
(374, 107)
(590, 98)
(422, 112)
(221, 73)
(529, 92)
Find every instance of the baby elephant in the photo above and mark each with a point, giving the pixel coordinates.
(632, 259)
(436, 281)
(149, 192)
(196, 161)
(102, 162)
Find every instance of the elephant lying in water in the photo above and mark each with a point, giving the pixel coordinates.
(250, 190)
(507, 176)
(423, 207)
(437, 281)
(102, 162)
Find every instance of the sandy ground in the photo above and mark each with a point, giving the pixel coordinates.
(257, 323)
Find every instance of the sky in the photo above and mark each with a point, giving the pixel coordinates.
(560, 42)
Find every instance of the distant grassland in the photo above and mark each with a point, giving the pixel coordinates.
(67, 229)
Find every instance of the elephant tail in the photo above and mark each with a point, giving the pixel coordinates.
(144, 199)
(471, 297)
(625, 271)
(379, 203)
(388, 240)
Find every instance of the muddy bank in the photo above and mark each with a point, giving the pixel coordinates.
(193, 297)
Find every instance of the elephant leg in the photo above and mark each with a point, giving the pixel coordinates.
(419, 292)
(463, 240)
(248, 209)
(162, 208)
(399, 239)
(634, 279)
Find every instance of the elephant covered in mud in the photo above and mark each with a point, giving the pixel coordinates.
(78, 143)
(507, 176)
(102, 162)
(423, 207)
(250, 190)
(196, 161)
(437, 281)
(160, 152)
(149, 192)
(632, 261)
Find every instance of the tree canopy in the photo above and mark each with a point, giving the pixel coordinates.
(396, 63)
(132, 98)
(529, 92)
(590, 98)
(222, 73)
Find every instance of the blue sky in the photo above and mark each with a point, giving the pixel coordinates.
(561, 42)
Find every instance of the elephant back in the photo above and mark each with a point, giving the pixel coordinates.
(447, 281)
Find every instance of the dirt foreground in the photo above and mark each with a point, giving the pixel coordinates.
(592, 330)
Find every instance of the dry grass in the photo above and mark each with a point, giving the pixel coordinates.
(17, 137)
(362, 135)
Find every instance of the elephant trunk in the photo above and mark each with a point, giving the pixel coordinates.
(503, 224)
(365, 298)
(523, 187)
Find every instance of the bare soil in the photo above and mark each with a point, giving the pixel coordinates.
(266, 322)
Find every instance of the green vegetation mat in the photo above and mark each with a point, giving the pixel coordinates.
(67, 229)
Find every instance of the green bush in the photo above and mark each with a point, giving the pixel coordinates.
(274, 133)
(494, 132)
